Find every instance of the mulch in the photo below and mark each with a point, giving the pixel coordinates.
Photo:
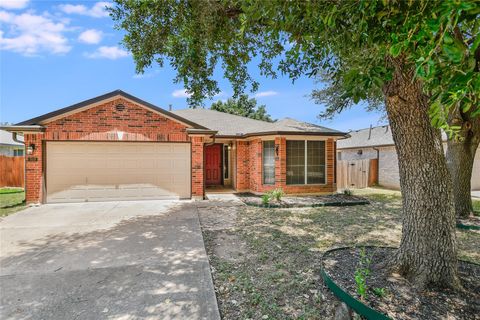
(304, 201)
(402, 299)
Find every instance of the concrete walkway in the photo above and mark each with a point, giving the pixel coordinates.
(112, 260)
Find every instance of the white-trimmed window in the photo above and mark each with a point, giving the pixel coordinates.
(268, 162)
(306, 162)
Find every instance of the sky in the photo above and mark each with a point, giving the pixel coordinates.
(57, 53)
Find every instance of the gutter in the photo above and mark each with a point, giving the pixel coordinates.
(22, 128)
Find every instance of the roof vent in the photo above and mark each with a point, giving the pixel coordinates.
(120, 107)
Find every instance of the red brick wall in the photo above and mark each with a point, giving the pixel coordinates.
(198, 185)
(250, 175)
(102, 123)
(242, 182)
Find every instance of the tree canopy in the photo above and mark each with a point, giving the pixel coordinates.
(243, 106)
(348, 44)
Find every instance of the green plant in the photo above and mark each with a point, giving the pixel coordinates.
(380, 292)
(348, 192)
(265, 199)
(276, 194)
(361, 274)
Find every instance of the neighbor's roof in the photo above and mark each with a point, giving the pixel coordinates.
(370, 137)
(7, 140)
(232, 125)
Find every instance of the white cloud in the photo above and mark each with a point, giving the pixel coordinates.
(265, 94)
(181, 93)
(13, 4)
(112, 53)
(30, 34)
(90, 36)
(98, 10)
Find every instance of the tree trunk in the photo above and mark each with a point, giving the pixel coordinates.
(460, 158)
(427, 255)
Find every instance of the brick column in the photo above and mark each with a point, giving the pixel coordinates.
(198, 183)
(243, 170)
(331, 163)
(34, 169)
(281, 163)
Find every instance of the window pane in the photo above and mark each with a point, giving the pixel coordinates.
(269, 162)
(295, 162)
(315, 162)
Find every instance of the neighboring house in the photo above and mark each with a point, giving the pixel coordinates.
(377, 143)
(118, 147)
(10, 147)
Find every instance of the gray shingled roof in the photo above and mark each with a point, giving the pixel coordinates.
(370, 137)
(232, 125)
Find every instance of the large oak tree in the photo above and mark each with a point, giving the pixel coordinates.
(373, 47)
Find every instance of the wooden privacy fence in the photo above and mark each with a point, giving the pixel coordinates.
(12, 171)
(357, 174)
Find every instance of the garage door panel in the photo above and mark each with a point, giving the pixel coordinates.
(109, 171)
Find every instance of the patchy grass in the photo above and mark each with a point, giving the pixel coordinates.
(11, 202)
(476, 207)
(277, 274)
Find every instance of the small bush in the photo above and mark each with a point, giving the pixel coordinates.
(361, 274)
(380, 292)
(348, 192)
(276, 194)
(266, 199)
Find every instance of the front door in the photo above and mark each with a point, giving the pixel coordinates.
(213, 165)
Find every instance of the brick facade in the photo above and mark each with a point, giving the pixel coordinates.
(249, 175)
(107, 123)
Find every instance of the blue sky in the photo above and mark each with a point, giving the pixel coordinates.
(57, 53)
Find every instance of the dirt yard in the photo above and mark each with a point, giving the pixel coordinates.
(266, 261)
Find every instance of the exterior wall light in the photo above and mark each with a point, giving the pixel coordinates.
(30, 149)
(276, 150)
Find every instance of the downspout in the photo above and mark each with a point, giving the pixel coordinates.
(14, 137)
(378, 164)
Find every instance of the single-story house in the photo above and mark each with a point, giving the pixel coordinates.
(377, 143)
(10, 147)
(119, 147)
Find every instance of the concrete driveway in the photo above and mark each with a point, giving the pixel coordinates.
(111, 260)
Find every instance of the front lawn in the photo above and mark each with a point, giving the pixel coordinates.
(266, 261)
(11, 200)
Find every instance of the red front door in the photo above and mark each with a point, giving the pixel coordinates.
(213, 165)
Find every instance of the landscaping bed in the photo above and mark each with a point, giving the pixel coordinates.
(395, 297)
(266, 262)
(333, 200)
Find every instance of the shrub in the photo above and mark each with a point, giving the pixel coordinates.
(276, 194)
(347, 192)
(265, 199)
(361, 274)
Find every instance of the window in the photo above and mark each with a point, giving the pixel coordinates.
(268, 162)
(18, 152)
(315, 162)
(305, 162)
(226, 166)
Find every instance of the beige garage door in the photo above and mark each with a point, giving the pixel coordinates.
(107, 171)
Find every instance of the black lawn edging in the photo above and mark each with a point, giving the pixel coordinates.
(355, 304)
(314, 205)
(467, 227)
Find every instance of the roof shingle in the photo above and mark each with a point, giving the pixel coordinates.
(232, 125)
